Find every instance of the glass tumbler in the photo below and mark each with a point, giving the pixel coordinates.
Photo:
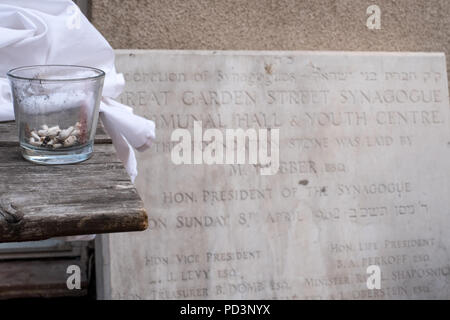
(56, 109)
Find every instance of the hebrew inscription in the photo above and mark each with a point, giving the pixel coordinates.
(363, 178)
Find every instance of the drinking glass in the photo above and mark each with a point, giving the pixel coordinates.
(56, 109)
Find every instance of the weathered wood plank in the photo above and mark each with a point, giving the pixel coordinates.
(9, 137)
(39, 278)
(39, 202)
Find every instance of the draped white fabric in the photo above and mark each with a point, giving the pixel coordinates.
(56, 32)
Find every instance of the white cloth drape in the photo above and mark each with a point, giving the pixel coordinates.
(56, 32)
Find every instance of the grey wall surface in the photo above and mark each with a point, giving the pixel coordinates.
(407, 25)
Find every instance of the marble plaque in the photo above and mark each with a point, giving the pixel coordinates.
(360, 197)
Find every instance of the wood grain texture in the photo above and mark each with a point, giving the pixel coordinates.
(39, 202)
(40, 278)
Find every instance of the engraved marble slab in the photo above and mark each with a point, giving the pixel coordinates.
(363, 180)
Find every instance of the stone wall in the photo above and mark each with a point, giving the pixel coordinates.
(407, 25)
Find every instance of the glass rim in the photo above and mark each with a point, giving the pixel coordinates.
(100, 73)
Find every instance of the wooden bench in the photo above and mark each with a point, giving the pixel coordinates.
(40, 202)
